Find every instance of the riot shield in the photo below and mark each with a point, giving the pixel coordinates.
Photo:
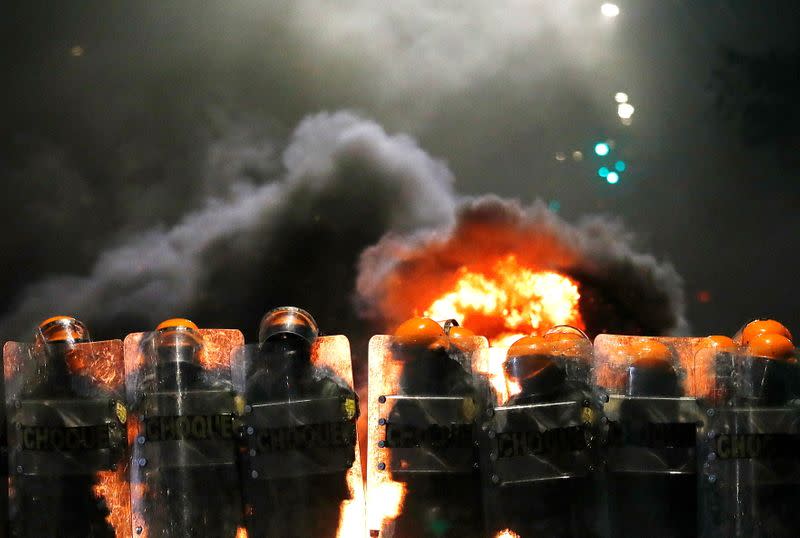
(301, 465)
(67, 439)
(652, 423)
(3, 463)
(184, 430)
(538, 440)
(750, 454)
(422, 476)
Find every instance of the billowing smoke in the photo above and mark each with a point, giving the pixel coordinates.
(353, 208)
(293, 240)
(621, 290)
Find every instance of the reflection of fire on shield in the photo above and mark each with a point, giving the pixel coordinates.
(651, 434)
(750, 480)
(422, 475)
(538, 445)
(185, 481)
(66, 433)
(301, 465)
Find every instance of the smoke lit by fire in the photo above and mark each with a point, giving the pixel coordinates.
(509, 300)
(503, 270)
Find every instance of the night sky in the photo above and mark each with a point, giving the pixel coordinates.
(121, 119)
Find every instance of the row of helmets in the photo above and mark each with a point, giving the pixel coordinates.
(559, 436)
(185, 432)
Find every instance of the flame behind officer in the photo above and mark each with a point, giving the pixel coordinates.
(54, 501)
(300, 501)
(654, 502)
(553, 369)
(188, 446)
(445, 503)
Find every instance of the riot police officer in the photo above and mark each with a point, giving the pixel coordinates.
(185, 452)
(446, 502)
(545, 433)
(300, 430)
(652, 488)
(754, 453)
(58, 439)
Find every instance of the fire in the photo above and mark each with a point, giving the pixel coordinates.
(241, 532)
(386, 496)
(385, 502)
(509, 301)
(351, 512)
(333, 353)
(507, 533)
(112, 487)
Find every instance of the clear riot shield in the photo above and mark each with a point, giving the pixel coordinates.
(750, 454)
(301, 465)
(652, 422)
(184, 431)
(67, 439)
(538, 440)
(422, 476)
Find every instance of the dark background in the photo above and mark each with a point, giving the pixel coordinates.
(122, 118)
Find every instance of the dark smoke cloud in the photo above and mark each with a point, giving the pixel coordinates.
(295, 239)
(623, 290)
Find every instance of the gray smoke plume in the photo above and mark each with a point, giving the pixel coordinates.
(622, 290)
(295, 239)
(345, 186)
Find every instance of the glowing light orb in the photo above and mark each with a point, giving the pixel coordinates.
(625, 110)
(602, 149)
(609, 10)
(612, 178)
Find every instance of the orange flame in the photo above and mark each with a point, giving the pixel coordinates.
(112, 486)
(241, 532)
(509, 301)
(507, 533)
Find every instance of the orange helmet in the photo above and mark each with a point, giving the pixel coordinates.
(771, 345)
(528, 357)
(419, 332)
(460, 337)
(721, 344)
(178, 332)
(568, 341)
(62, 329)
(529, 346)
(565, 332)
(651, 372)
(760, 326)
(650, 353)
